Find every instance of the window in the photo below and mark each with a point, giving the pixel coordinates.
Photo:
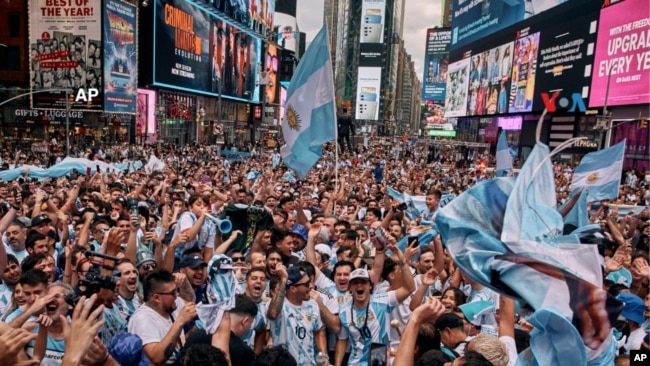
(14, 25)
(10, 58)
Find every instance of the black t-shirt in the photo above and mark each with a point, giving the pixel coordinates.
(240, 353)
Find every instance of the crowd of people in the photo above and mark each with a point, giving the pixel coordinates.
(201, 260)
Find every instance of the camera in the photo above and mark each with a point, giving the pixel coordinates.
(401, 207)
(94, 280)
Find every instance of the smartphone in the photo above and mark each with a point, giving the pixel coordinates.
(378, 354)
(413, 241)
(380, 236)
(88, 172)
(99, 170)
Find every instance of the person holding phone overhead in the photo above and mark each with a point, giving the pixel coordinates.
(365, 319)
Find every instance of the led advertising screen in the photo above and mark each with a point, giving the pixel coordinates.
(201, 54)
(233, 59)
(372, 21)
(457, 84)
(490, 81)
(524, 65)
(436, 62)
(145, 118)
(622, 51)
(120, 68)
(566, 54)
(271, 64)
(287, 27)
(255, 14)
(475, 19)
(368, 93)
(63, 37)
(181, 46)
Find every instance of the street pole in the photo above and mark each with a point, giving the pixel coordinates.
(223, 130)
(67, 122)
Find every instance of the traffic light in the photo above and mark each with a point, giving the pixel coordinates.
(643, 123)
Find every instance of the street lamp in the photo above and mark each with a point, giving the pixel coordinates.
(67, 109)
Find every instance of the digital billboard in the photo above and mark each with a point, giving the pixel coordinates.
(368, 93)
(566, 54)
(201, 54)
(120, 68)
(63, 39)
(145, 118)
(524, 65)
(254, 14)
(475, 19)
(490, 81)
(457, 86)
(622, 52)
(287, 28)
(233, 58)
(372, 21)
(271, 64)
(436, 62)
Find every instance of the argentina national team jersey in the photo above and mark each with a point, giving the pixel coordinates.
(128, 307)
(258, 323)
(378, 323)
(294, 328)
(5, 297)
(54, 350)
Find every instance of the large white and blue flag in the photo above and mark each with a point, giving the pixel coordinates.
(415, 205)
(504, 159)
(310, 112)
(599, 173)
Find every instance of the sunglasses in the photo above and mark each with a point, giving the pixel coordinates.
(237, 259)
(149, 266)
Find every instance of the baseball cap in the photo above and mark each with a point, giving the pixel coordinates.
(40, 219)
(324, 249)
(295, 274)
(622, 276)
(126, 349)
(360, 273)
(449, 320)
(192, 261)
(633, 307)
(477, 311)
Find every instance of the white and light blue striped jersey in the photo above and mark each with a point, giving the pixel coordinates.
(128, 307)
(353, 320)
(222, 285)
(6, 293)
(54, 350)
(294, 328)
(114, 323)
(258, 323)
(205, 237)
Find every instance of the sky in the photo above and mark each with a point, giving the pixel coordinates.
(310, 20)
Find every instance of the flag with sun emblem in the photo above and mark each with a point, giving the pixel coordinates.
(310, 110)
(599, 173)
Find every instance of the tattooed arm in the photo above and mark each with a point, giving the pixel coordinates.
(275, 307)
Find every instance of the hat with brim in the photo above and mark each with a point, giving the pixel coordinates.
(40, 219)
(633, 307)
(192, 261)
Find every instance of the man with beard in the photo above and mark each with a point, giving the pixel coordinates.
(294, 319)
(16, 235)
(10, 278)
(193, 266)
(128, 299)
(255, 287)
(160, 321)
(366, 319)
(34, 285)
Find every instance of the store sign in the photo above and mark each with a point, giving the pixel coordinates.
(586, 144)
(442, 133)
(47, 114)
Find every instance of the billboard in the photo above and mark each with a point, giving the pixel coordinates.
(456, 89)
(201, 54)
(473, 20)
(233, 58)
(490, 81)
(566, 54)
(368, 92)
(63, 39)
(120, 68)
(372, 21)
(524, 65)
(271, 64)
(287, 28)
(622, 52)
(254, 14)
(436, 61)
(145, 118)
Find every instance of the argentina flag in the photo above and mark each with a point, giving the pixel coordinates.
(599, 173)
(415, 205)
(505, 233)
(504, 160)
(310, 111)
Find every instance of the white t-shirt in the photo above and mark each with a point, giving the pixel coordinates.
(151, 327)
(511, 347)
